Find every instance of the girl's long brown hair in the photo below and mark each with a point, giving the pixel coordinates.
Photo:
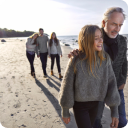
(55, 39)
(35, 39)
(86, 46)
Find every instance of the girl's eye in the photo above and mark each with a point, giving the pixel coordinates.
(96, 38)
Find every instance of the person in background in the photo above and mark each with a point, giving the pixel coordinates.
(54, 52)
(30, 51)
(116, 46)
(42, 50)
(89, 78)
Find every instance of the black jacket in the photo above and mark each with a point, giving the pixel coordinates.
(119, 64)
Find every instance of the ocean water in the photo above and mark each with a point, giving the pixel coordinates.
(69, 40)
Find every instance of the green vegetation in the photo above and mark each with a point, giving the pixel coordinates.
(12, 33)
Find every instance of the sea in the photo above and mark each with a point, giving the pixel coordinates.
(70, 40)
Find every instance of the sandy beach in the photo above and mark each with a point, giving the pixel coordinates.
(33, 103)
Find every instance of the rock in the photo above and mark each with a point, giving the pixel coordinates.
(18, 105)
(23, 125)
(3, 40)
(67, 45)
(76, 40)
(12, 115)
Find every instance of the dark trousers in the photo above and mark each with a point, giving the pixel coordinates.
(121, 110)
(57, 57)
(31, 60)
(43, 58)
(85, 113)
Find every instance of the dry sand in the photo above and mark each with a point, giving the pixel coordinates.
(29, 102)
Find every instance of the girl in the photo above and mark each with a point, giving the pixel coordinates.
(54, 51)
(88, 79)
(30, 51)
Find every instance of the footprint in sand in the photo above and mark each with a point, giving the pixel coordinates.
(9, 89)
(29, 89)
(1, 95)
(33, 109)
(13, 77)
(16, 93)
(18, 105)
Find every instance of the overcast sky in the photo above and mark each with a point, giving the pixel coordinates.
(65, 17)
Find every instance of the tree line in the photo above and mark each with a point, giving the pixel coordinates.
(12, 33)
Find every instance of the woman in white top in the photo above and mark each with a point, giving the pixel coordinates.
(54, 51)
(30, 51)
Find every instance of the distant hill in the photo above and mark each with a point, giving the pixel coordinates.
(12, 33)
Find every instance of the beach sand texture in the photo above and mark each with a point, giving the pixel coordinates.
(29, 102)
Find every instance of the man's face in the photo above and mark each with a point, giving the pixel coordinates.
(41, 32)
(113, 25)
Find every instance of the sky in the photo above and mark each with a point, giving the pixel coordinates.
(65, 17)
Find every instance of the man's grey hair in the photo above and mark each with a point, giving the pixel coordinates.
(108, 13)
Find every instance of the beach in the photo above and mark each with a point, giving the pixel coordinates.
(29, 102)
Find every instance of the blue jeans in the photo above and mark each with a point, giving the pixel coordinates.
(85, 113)
(43, 58)
(121, 110)
(57, 57)
(31, 60)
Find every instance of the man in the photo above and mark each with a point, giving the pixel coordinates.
(116, 46)
(42, 50)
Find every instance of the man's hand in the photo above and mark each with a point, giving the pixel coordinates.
(73, 53)
(121, 87)
(114, 123)
(38, 56)
(66, 120)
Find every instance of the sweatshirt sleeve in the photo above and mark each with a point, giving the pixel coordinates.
(59, 47)
(124, 66)
(112, 98)
(37, 47)
(49, 48)
(29, 43)
(66, 94)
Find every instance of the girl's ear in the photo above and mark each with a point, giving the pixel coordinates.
(103, 23)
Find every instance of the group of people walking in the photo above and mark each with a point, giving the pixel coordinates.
(96, 74)
(44, 47)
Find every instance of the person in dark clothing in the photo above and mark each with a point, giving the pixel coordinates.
(54, 52)
(87, 80)
(42, 50)
(30, 51)
(116, 46)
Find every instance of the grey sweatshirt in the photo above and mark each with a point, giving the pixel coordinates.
(29, 45)
(83, 86)
(42, 44)
(54, 49)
